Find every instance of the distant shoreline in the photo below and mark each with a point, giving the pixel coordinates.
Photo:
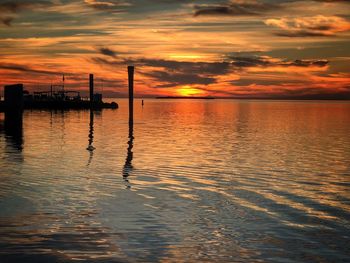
(230, 98)
(257, 98)
(180, 97)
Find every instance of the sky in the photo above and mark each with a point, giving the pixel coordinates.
(290, 49)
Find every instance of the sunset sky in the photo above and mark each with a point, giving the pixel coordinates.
(223, 48)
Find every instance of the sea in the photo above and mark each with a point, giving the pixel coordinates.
(188, 181)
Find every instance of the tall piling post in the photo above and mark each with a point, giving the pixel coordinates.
(91, 89)
(14, 103)
(13, 95)
(131, 93)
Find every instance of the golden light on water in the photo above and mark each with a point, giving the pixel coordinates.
(193, 168)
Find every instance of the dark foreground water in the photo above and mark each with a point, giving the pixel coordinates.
(191, 181)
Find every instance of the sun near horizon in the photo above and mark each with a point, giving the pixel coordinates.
(242, 49)
(174, 131)
(188, 91)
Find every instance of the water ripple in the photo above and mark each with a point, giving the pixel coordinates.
(190, 181)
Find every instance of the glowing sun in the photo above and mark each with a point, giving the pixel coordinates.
(189, 91)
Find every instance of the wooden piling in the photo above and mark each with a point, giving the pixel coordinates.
(13, 95)
(91, 89)
(131, 93)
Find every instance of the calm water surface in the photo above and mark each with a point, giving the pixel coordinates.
(191, 181)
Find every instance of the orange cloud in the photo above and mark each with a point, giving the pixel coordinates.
(310, 26)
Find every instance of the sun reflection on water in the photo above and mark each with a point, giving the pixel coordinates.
(206, 180)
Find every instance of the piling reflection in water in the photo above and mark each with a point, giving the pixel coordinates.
(216, 181)
(90, 147)
(13, 127)
(128, 162)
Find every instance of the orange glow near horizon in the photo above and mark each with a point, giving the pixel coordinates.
(188, 91)
(288, 54)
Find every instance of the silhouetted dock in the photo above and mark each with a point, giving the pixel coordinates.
(17, 99)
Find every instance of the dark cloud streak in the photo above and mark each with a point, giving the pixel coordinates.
(261, 61)
(8, 9)
(173, 73)
(28, 69)
(177, 79)
(235, 8)
(112, 6)
(108, 52)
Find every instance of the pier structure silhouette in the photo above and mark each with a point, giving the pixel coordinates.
(15, 102)
(17, 99)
